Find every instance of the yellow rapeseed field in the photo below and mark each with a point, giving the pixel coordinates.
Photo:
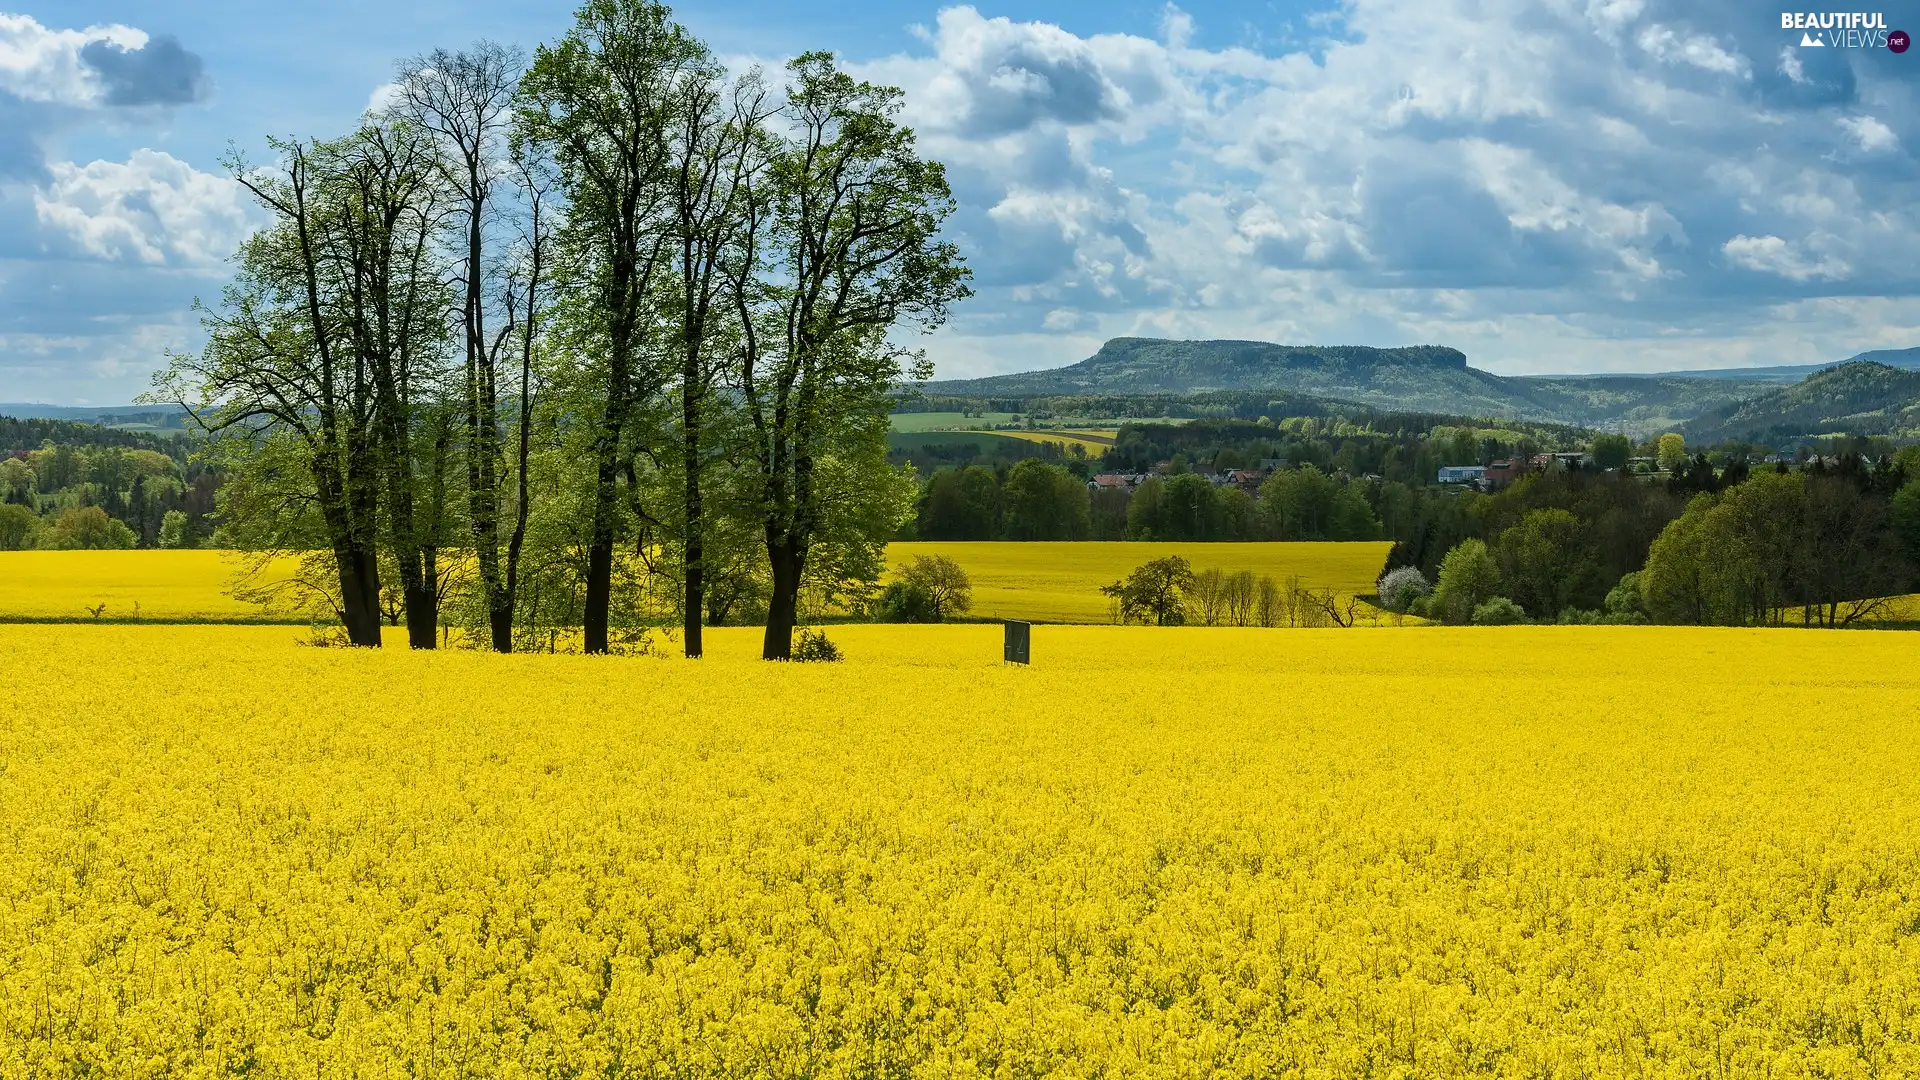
(1516, 852)
(181, 586)
(1060, 582)
(1048, 582)
(1066, 440)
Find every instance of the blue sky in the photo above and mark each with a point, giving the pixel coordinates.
(1548, 185)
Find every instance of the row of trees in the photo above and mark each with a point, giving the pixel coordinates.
(1037, 500)
(546, 336)
(1169, 592)
(1824, 545)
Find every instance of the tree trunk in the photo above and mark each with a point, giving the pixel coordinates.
(422, 604)
(359, 572)
(783, 608)
(483, 438)
(600, 555)
(694, 604)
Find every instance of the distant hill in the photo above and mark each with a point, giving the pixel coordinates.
(160, 419)
(1863, 397)
(1904, 359)
(1419, 378)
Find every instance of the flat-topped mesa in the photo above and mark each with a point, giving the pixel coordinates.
(1234, 351)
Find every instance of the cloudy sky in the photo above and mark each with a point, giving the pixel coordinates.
(1554, 186)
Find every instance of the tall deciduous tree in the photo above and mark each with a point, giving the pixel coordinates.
(717, 146)
(281, 389)
(602, 103)
(380, 247)
(839, 248)
(464, 101)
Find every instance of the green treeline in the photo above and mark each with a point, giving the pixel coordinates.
(70, 485)
(1823, 544)
(1039, 500)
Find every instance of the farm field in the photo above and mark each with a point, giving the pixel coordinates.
(1094, 443)
(1155, 853)
(1046, 582)
(1060, 582)
(177, 586)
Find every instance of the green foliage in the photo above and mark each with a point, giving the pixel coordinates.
(1903, 511)
(930, 588)
(1543, 561)
(960, 504)
(1625, 601)
(906, 602)
(813, 647)
(173, 530)
(1190, 510)
(1468, 577)
(1307, 504)
(1672, 451)
(87, 528)
(1146, 510)
(1498, 611)
(1044, 502)
(1155, 592)
(1612, 451)
(1744, 556)
(19, 527)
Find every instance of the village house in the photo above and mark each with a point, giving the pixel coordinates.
(1114, 482)
(1501, 473)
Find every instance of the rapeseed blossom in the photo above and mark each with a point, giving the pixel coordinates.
(1529, 851)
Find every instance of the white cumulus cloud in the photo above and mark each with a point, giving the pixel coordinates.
(1871, 134)
(152, 208)
(1773, 255)
(1550, 186)
(42, 64)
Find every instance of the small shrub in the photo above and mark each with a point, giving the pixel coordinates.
(812, 647)
(906, 602)
(1574, 616)
(1625, 601)
(1400, 587)
(1499, 611)
(326, 636)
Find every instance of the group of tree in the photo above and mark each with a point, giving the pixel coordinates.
(1827, 544)
(1820, 546)
(70, 485)
(1397, 447)
(1039, 500)
(575, 342)
(1169, 592)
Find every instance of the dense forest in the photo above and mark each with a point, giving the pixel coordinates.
(72, 485)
